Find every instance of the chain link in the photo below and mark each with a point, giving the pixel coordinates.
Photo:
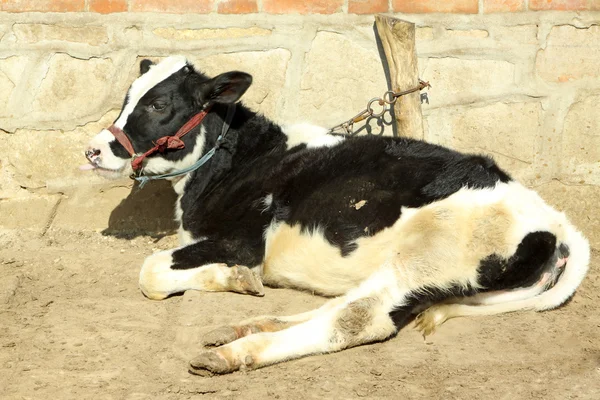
(385, 102)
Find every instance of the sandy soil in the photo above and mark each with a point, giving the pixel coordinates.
(74, 325)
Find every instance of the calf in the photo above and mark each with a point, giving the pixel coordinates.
(385, 226)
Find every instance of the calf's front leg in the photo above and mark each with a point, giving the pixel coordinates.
(194, 267)
(228, 333)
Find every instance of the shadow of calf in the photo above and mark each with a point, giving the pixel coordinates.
(148, 211)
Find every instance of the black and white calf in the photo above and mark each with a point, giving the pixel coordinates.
(386, 226)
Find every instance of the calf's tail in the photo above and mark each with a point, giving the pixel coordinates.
(576, 268)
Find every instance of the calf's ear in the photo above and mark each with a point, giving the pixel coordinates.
(226, 88)
(145, 66)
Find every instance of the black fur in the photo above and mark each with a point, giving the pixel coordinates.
(564, 250)
(145, 66)
(536, 253)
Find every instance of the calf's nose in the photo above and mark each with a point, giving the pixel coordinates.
(92, 153)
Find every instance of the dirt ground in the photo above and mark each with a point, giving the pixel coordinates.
(73, 324)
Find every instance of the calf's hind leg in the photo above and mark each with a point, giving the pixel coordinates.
(436, 315)
(185, 268)
(362, 316)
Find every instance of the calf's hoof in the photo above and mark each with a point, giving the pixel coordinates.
(243, 280)
(211, 363)
(220, 336)
(428, 321)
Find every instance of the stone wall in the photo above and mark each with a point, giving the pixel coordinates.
(516, 79)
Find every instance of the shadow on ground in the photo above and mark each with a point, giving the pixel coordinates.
(147, 211)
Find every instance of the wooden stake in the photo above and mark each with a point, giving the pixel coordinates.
(398, 41)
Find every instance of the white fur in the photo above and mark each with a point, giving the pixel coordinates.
(107, 159)
(324, 141)
(311, 135)
(185, 237)
(156, 74)
(267, 201)
(497, 297)
(158, 280)
(308, 261)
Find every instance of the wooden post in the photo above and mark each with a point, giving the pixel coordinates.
(398, 41)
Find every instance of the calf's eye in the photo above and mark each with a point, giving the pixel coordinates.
(157, 106)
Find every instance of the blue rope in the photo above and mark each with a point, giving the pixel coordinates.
(142, 180)
(145, 179)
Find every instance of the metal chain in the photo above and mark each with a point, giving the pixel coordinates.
(385, 102)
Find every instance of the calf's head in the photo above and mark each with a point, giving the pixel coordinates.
(159, 102)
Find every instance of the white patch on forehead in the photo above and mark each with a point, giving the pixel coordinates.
(147, 81)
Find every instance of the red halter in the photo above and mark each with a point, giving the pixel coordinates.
(161, 145)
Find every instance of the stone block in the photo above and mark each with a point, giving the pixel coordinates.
(564, 5)
(9, 187)
(74, 88)
(268, 69)
(339, 79)
(134, 34)
(207, 34)
(459, 81)
(580, 146)
(571, 53)
(514, 35)
(424, 33)
(38, 157)
(35, 33)
(467, 33)
(11, 71)
(506, 131)
(31, 212)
